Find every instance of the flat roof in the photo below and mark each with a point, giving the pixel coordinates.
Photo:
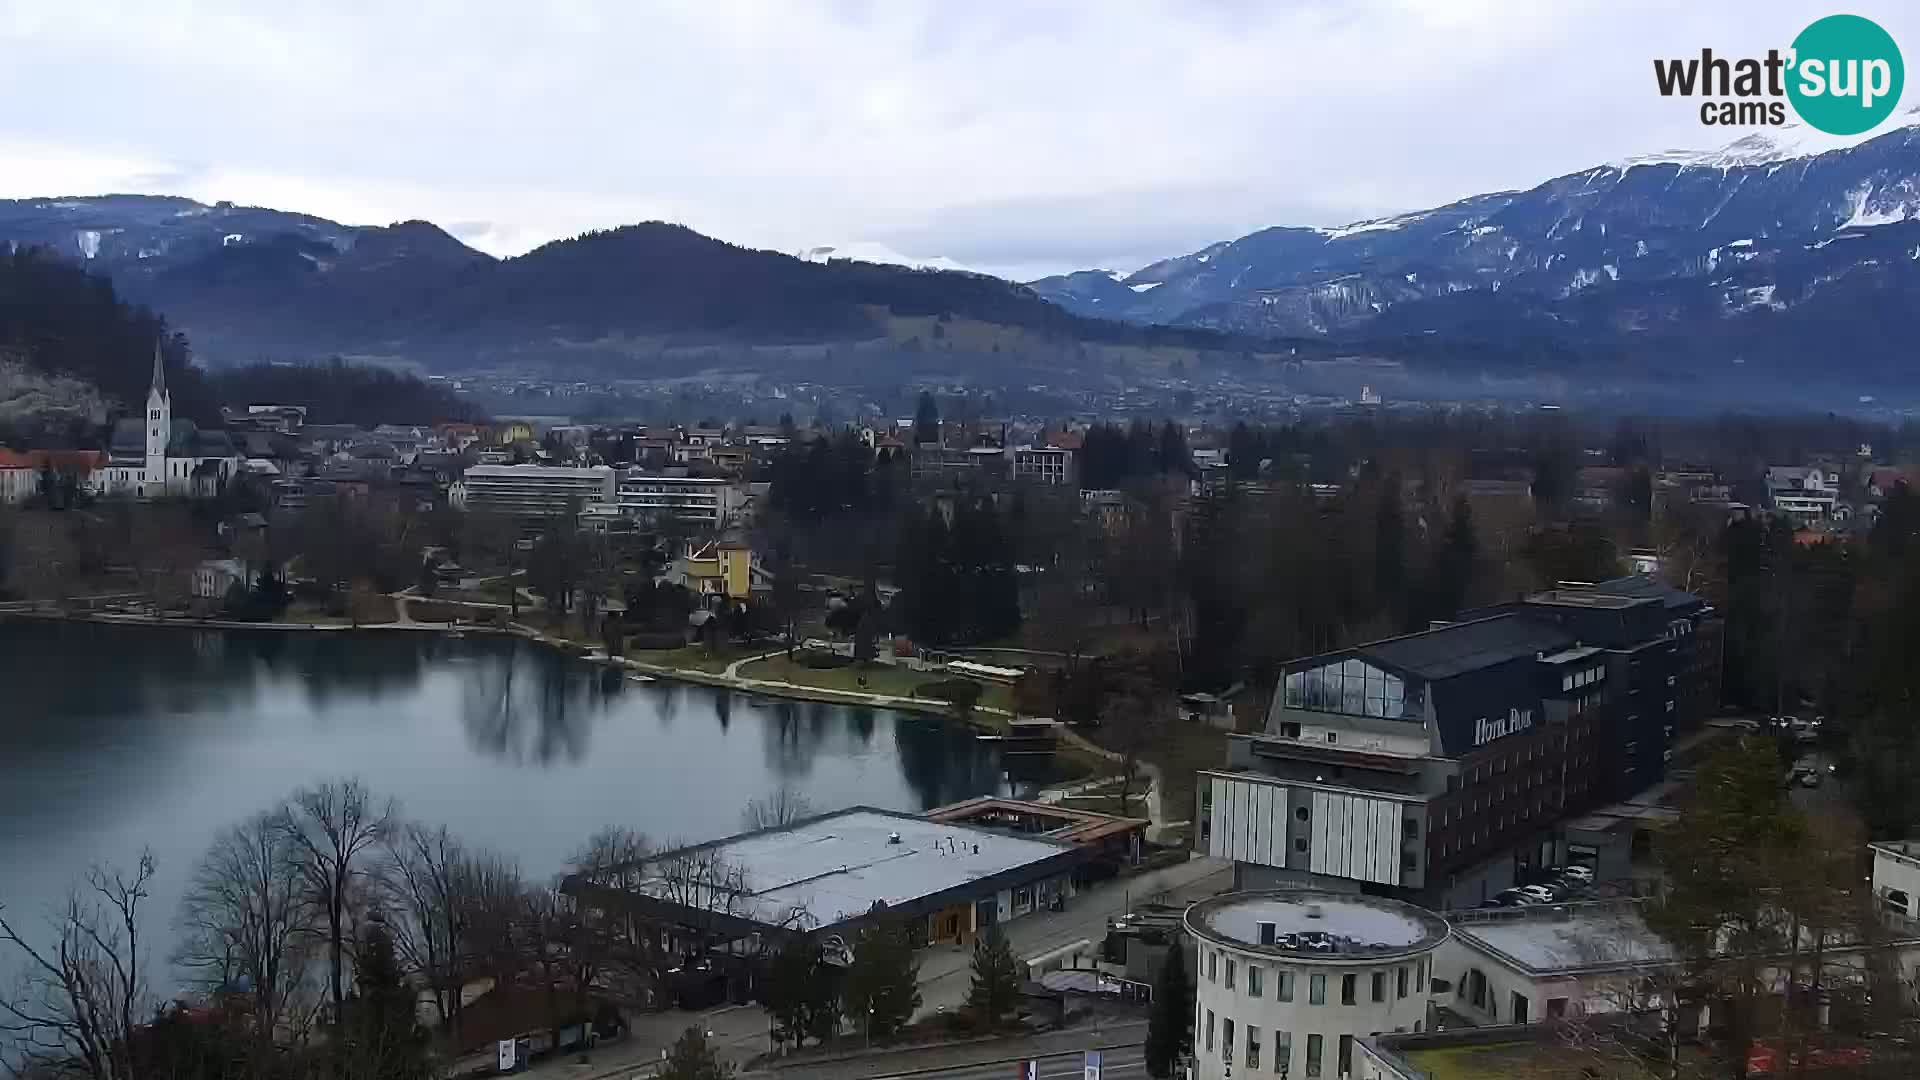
(1458, 648)
(1075, 825)
(1564, 938)
(1315, 924)
(837, 866)
(1568, 656)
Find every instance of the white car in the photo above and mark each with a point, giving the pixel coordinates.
(1583, 874)
(1540, 893)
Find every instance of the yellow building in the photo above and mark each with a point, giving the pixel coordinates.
(512, 431)
(721, 568)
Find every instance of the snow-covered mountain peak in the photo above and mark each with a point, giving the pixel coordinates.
(1770, 146)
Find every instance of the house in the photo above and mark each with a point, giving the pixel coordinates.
(214, 578)
(720, 568)
(1803, 493)
(1884, 480)
(22, 474)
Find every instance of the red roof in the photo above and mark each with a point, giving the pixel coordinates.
(63, 460)
(1066, 440)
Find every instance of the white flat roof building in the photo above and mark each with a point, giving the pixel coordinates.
(836, 867)
(1287, 980)
(535, 490)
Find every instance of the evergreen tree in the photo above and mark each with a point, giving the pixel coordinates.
(882, 988)
(800, 994)
(926, 420)
(385, 1039)
(692, 1059)
(996, 979)
(1170, 1028)
(1390, 549)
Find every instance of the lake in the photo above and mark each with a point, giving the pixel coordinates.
(114, 737)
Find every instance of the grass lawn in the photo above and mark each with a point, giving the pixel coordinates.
(880, 679)
(694, 657)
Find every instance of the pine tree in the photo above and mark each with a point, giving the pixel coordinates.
(996, 979)
(1170, 1028)
(692, 1059)
(926, 420)
(883, 984)
(800, 994)
(385, 1039)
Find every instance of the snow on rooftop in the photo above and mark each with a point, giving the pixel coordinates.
(837, 866)
(1566, 938)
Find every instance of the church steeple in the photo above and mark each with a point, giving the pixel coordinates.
(159, 370)
(159, 427)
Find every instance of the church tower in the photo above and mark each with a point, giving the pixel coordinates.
(159, 427)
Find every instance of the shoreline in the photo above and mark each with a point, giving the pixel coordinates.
(1069, 747)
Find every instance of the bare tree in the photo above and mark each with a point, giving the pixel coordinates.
(425, 874)
(334, 829)
(784, 807)
(244, 916)
(80, 997)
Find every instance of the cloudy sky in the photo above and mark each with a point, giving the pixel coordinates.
(1020, 138)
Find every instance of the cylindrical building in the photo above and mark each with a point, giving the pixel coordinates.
(1288, 979)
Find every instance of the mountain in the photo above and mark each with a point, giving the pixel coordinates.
(246, 283)
(1782, 245)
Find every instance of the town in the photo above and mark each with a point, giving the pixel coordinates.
(1464, 720)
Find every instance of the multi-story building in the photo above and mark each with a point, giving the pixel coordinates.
(710, 501)
(1044, 464)
(535, 490)
(1435, 767)
(1286, 981)
(1803, 494)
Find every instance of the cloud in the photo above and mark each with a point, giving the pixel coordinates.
(1021, 138)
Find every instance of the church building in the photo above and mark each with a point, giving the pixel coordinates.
(157, 456)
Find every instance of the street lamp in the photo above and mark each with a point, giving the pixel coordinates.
(869, 1027)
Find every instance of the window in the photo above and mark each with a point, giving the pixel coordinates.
(1299, 843)
(1333, 736)
(1213, 967)
(1346, 1055)
(1408, 861)
(1289, 730)
(1519, 1008)
(1300, 813)
(1316, 989)
(1556, 1008)
(1282, 1051)
(1226, 1039)
(1253, 1047)
(1410, 828)
(1313, 1055)
(1379, 986)
(1284, 988)
(1253, 980)
(1229, 972)
(1209, 1031)
(1349, 988)
(1267, 931)
(1400, 982)
(1023, 899)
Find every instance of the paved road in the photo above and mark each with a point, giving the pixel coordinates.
(1060, 1053)
(1121, 1063)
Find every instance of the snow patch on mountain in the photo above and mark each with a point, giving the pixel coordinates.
(1774, 146)
(1145, 287)
(1376, 225)
(88, 241)
(1888, 213)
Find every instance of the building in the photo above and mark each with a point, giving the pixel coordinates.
(534, 490)
(1045, 465)
(1111, 841)
(1286, 982)
(22, 473)
(1519, 965)
(1518, 1052)
(824, 876)
(1896, 877)
(709, 501)
(1803, 493)
(158, 456)
(720, 569)
(1436, 767)
(214, 577)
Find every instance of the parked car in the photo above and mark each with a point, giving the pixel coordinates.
(1545, 894)
(1578, 875)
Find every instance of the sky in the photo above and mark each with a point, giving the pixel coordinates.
(1017, 138)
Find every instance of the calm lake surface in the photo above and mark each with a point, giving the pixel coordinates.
(113, 737)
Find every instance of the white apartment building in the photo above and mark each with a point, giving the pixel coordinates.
(1803, 493)
(699, 500)
(1288, 980)
(1045, 464)
(535, 490)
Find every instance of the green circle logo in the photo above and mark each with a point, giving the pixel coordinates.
(1846, 75)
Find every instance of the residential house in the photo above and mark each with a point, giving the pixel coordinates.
(1805, 494)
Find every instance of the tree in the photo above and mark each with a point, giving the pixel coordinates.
(995, 995)
(692, 1059)
(335, 829)
(1170, 1028)
(424, 881)
(784, 807)
(926, 420)
(882, 989)
(80, 999)
(384, 1040)
(801, 993)
(243, 918)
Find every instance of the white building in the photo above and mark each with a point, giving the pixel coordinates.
(214, 577)
(1896, 877)
(1044, 464)
(159, 456)
(711, 501)
(1287, 980)
(1803, 493)
(535, 490)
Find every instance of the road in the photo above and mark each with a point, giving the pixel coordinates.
(1119, 1063)
(1060, 1054)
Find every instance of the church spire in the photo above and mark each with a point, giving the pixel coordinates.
(159, 370)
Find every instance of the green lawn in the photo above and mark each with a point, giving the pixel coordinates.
(880, 679)
(693, 657)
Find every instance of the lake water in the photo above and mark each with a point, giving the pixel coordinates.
(116, 737)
